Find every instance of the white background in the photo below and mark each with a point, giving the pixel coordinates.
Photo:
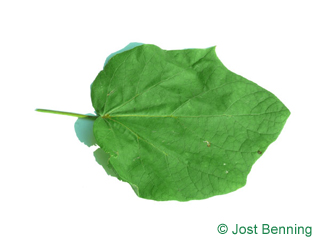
(51, 187)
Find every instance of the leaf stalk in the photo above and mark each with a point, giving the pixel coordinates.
(66, 113)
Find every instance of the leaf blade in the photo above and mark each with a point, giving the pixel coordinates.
(186, 127)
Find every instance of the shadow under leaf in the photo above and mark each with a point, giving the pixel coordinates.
(84, 127)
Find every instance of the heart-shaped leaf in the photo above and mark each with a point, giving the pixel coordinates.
(178, 125)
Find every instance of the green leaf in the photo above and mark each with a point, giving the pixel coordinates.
(178, 125)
